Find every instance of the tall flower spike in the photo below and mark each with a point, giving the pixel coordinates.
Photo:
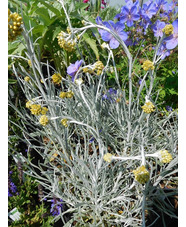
(141, 174)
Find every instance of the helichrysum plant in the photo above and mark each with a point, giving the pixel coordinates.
(106, 147)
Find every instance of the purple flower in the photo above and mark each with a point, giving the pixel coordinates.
(172, 40)
(163, 51)
(160, 4)
(148, 10)
(140, 81)
(12, 189)
(108, 37)
(168, 108)
(56, 206)
(129, 14)
(73, 68)
(110, 94)
(157, 28)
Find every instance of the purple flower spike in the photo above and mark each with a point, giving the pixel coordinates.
(108, 37)
(172, 41)
(56, 206)
(73, 68)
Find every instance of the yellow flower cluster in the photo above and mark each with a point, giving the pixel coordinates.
(65, 43)
(98, 67)
(56, 78)
(35, 109)
(147, 65)
(28, 104)
(14, 25)
(141, 174)
(44, 110)
(27, 78)
(148, 107)
(168, 29)
(30, 63)
(43, 120)
(87, 70)
(64, 122)
(165, 156)
(108, 157)
(68, 94)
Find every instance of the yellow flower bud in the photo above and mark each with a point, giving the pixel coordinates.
(64, 122)
(148, 107)
(168, 29)
(108, 157)
(27, 78)
(56, 78)
(35, 109)
(141, 174)
(43, 120)
(147, 65)
(63, 95)
(165, 156)
(44, 110)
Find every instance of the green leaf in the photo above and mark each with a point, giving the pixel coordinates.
(38, 29)
(12, 81)
(50, 7)
(56, 32)
(92, 44)
(43, 15)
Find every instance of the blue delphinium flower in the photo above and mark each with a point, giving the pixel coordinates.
(108, 37)
(56, 206)
(172, 40)
(168, 108)
(157, 28)
(73, 68)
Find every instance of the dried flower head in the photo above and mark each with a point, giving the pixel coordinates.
(66, 42)
(64, 122)
(56, 78)
(108, 157)
(168, 29)
(28, 104)
(98, 67)
(63, 95)
(43, 120)
(69, 94)
(148, 107)
(44, 110)
(164, 156)
(141, 174)
(147, 65)
(35, 109)
(27, 78)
